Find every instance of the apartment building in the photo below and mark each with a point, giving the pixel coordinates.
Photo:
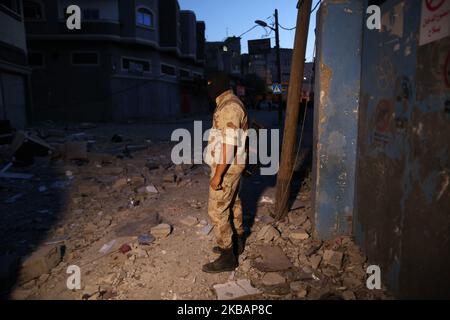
(131, 59)
(14, 72)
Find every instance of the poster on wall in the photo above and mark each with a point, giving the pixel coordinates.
(435, 21)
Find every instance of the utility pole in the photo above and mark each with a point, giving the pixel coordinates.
(277, 39)
(292, 110)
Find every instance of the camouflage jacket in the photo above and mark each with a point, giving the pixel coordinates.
(230, 126)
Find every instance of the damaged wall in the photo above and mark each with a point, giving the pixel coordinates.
(338, 71)
(393, 119)
(403, 175)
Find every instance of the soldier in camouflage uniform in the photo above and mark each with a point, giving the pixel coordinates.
(226, 156)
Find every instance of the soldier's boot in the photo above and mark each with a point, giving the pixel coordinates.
(239, 245)
(226, 262)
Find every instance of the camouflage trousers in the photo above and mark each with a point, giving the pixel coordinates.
(225, 209)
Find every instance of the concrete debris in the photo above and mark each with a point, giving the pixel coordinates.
(236, 290)
(99, 197)
(120, 183)
(298, 235)
(273, 279)
(151, 189)
(271, 258)
(40, 262)
(315, 261)
(299, 289)
(268, 234)
(189, 221)
(296, 219)
(333, 258)
(266, 219)
(348, 295)
(161, 231)
(266, 199)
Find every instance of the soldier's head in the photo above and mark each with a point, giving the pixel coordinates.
(218, 83)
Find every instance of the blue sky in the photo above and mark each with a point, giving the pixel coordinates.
(233, 17)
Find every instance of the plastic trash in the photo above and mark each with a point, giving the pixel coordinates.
(146, 239)
(107, 247)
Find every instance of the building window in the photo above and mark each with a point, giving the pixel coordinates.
(91, 14)
(12, 5)
(168, 70)
(144, 17)
(136, 66)
(85, 58)
(35, 59)
(184, 73)
(32, 10)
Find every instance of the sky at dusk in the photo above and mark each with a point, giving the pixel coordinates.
(233, 17)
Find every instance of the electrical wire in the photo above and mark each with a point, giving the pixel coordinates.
(298, 6)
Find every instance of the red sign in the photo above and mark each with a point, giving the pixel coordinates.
(433, 5)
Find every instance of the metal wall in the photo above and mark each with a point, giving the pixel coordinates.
(402, 216)
(336, 114)
(381, 140)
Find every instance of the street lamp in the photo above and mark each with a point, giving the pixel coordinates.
(277, 38)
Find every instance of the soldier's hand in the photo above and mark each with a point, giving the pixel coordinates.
(216, 182)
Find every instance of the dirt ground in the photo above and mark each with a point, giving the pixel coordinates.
(128, 187)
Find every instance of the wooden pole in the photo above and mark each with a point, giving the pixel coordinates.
(292, 110)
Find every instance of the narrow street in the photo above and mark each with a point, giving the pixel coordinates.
(137, 227)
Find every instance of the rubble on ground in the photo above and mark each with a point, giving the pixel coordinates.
(138, 228)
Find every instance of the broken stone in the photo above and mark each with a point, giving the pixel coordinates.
(299, 289)
(266, 219)
(120, 183)
(170, 178)
(299, 235)
(296, 219)
(161, 231)
(239, 289)
(333, 258)
(267, 234)
(40, 262)
(151, 189)
(351, 282)
(189, 221)
(137, 181)
(88, 189)
(348, 295)
(315, 261)
(271, 259)
(266, 199)
(273, 279)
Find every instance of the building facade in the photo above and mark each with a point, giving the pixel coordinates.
(14, 72)
(225, 56)
(130, 59)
